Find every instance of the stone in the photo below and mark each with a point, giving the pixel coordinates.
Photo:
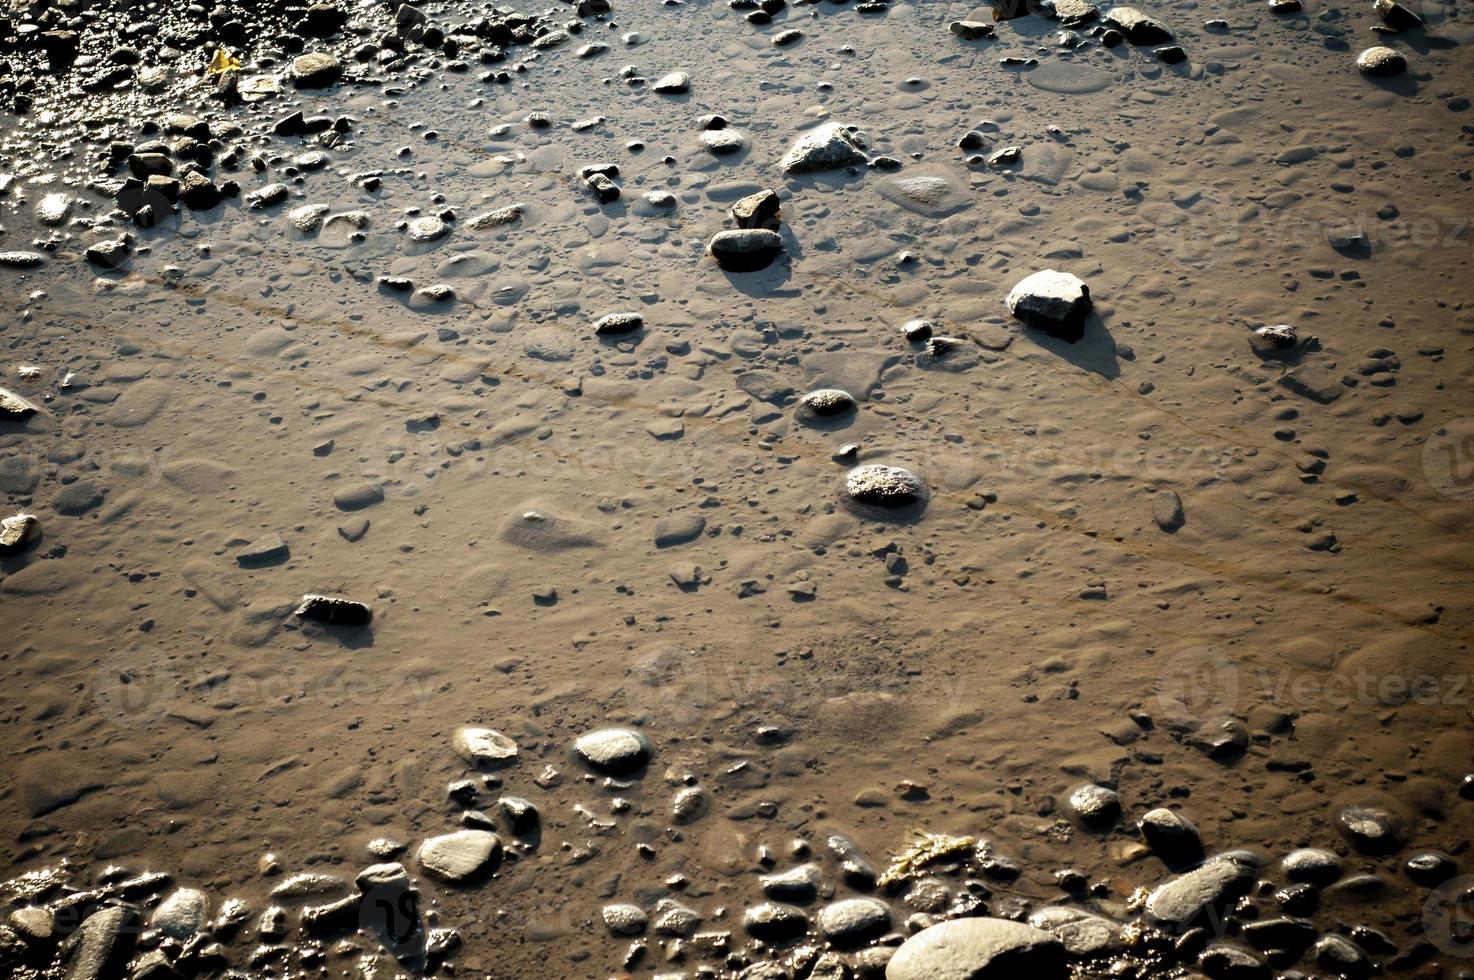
(1312, 865)
(972, 30)
(1167, 511)
(182, 914)
(1056, 302)
(484, 748)
(799, 884)
(1230, 962)
(624, 920)
(497, 218)
(108, 254)
(426, 229)
(918, 331)
(1202, 893)
(390, 876)
(674, 83)
(1396, 16)
(18, 532)
(460, 856)
(14, 407)
(881, 485)
(53, 209)
(316, 70)
(853, 921)
(1137, 26)
(825, 404)
(723, 142)
(618, 323)
(979, 949)
(1430, 868)
(1083, 934)
(745, 249)
(1095, 807)
(1171, 836)
(521, 815)
(309, 885)
(614, 750)
(689, 805)
(334, 611)
(758, 210)
(1370, 829)
(100, 947)
(1341, 957)
(826, 147)
(678, 529)
(1273, 338)
(78, 498)
(33, 923)
(1380, 61)
(268, 549)
(358, 497)
(21, 259)
(773, 922)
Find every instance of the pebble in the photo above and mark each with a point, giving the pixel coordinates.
(824, 404)
(316, 70)
(881, 485)
(979, 949)
(268, 549)
(484, 748)
(1312, 866)
(1180, 902)
(799, 884)
(773, 922)
(1381, 62)
(745, 249)
(674, 83)
(1138, 27)
(1369, 829)
(1095, 807)
(18, 532)
(1167, 511)
(182, 914)
(427, 229)
(614, 750)
(334, 610)
(1171, 836)
(460, 856)
(618, 323)
(854, 921)
(624, 920)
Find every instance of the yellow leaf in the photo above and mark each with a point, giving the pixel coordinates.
(222, 63)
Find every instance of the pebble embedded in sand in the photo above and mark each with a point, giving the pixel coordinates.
(460, 856)
(484, 747)
(1381, 62)
(880, 485)
(1056, 302)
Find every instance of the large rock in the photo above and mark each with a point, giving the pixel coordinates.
(1056, 302)
(1201, 893)
(827, 147)
(979, 949)
(460, 856)
(1137, 26)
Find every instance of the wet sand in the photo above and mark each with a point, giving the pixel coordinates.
(491, 477)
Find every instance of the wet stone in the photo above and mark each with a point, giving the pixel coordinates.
(853, 921)
(181, 914)
(1083, 934)
(1381, 62)
(1178, 904)
(1171, 835)
(775, 923)
(1430, 868)
(1094, 806)
(316, 70)
(1312, 865)
(979, 949)
(618, 323)
(1228, 960)
(799, 884)
(613, 750)
(1369, 829)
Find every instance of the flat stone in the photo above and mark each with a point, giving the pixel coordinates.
(613, 750)
(677, 529)
(1312, 865)
(100, 947)
(358, 497)
(1084, 934)
(979, 949)
(853, 921)
(484, 747)
(1180, 902)
(773, 922)
(745, 249)
(459, 856)
(1138, 27)
(13, 406)
(1370, 829)
(268, 549)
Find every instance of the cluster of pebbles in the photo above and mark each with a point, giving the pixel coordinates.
(945, 907)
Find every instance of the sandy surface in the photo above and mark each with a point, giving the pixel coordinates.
(164, 710)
